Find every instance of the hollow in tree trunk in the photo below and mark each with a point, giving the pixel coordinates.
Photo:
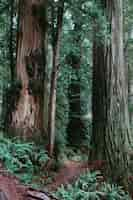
(25, 116)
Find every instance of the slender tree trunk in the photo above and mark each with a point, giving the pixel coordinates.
(111, 136)
(11, 45)
(27, 100)
(54, 76)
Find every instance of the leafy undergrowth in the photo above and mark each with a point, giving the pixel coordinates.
(90, 187)
(28, 162)
(25, 160)
(77, 154)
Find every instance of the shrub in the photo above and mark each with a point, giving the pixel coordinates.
(87, 187)
(21, 158)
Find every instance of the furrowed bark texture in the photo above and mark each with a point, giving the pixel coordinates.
(26, 116)
(111, 135)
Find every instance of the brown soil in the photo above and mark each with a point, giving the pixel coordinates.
(12, 189)
(71, 171)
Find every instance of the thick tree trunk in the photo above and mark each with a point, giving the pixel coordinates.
(111, 136)
(26, 114)
(54, 76)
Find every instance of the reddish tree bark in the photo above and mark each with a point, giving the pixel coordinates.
(111, 135)
(26, 114)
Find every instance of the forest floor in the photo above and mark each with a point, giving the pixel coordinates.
(12, 189)
(27, 173)
(71, 171)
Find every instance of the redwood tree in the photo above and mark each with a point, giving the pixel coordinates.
(25, 115)
(110, 135)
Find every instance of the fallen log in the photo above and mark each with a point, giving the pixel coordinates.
(12, 189)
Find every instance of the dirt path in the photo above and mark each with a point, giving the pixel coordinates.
(10, 188)
(71, 171)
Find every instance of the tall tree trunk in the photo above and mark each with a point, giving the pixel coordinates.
(111, 136)
(11, 45)
(54, 75)
(130, 95)
(27, 100)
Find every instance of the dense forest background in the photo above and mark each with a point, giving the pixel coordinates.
(66, 96)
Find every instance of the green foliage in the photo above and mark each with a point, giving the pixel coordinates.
(76, 154)
(87, 187)
(11, 93)
(4, 41)
(114, 192)
(71, 47)
(22, 159)
(62, 108)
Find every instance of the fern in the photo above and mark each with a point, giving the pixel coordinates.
(21, 158)
(88, 188)
(114, 192)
